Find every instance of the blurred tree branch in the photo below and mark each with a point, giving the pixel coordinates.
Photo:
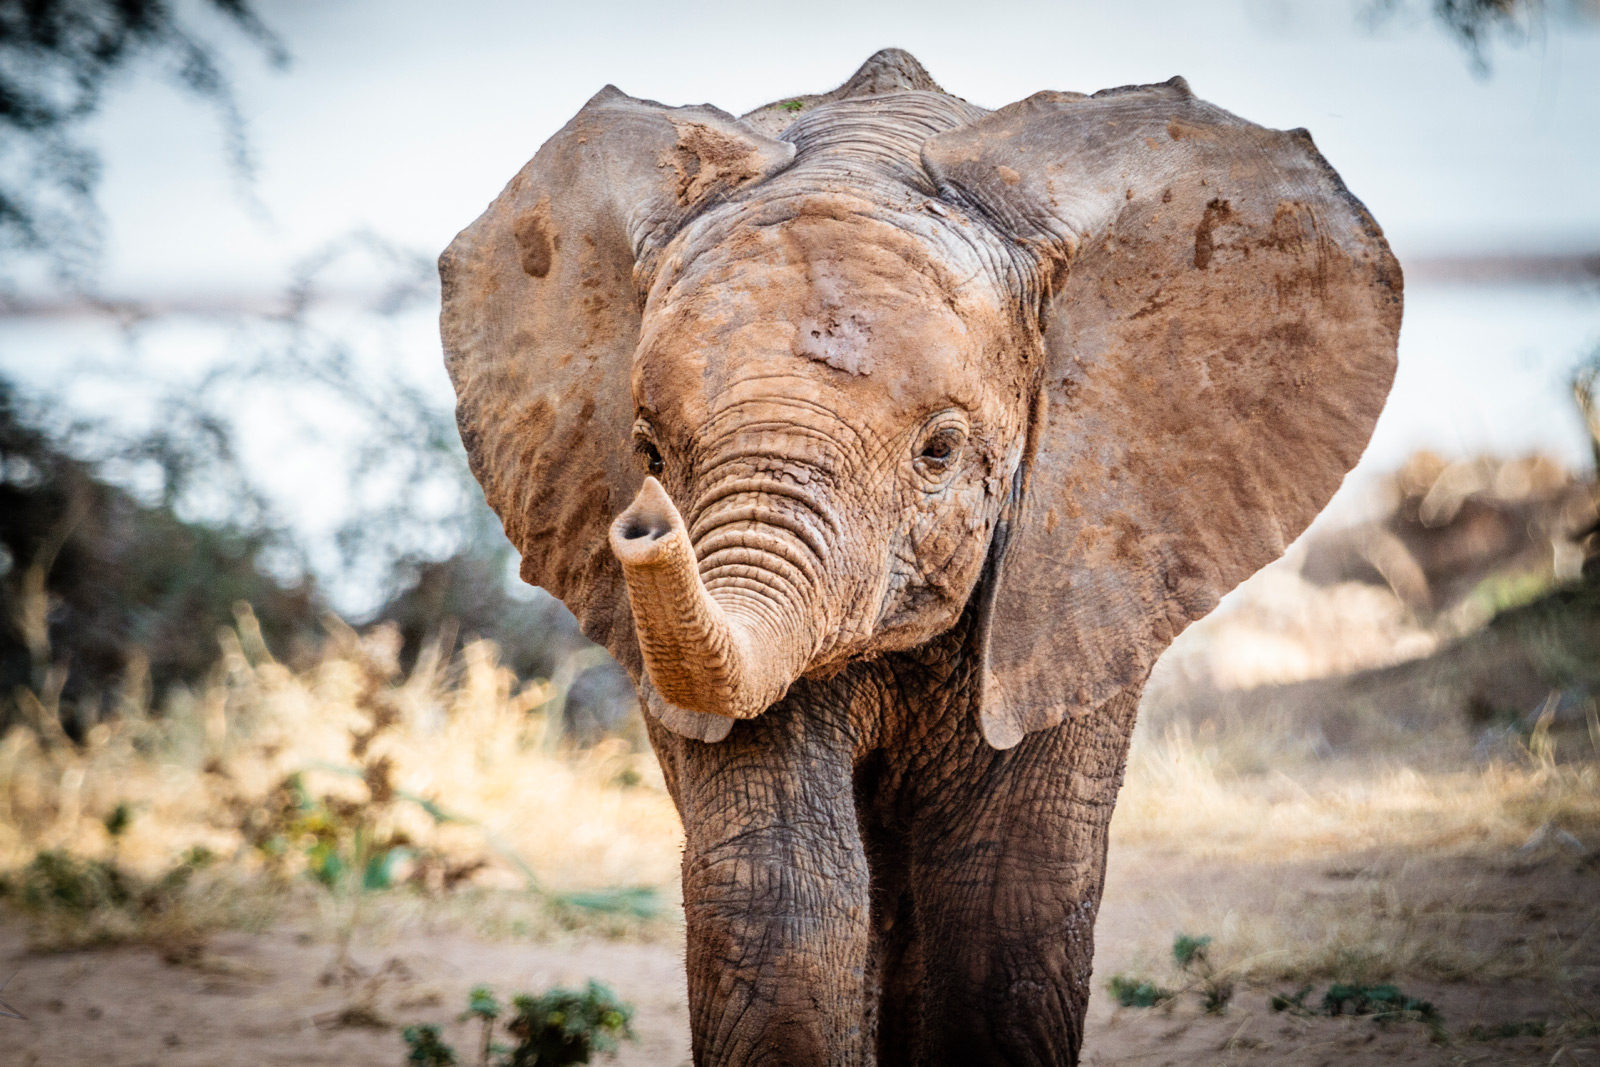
(57, 59)
(1475, 24)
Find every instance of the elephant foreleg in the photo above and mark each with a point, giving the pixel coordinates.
(775, 891)
(1007, 863)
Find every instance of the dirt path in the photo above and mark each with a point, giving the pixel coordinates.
(255, 999)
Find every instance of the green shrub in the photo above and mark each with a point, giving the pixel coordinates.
(57, 883)
(425, 1049)
(1380, 1003)
(1191, 954)
(566, 1026)
(1137, 992)
(561, 1027)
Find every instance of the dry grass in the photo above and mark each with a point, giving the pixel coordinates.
(1362, 870)
(1308, 870)
(468, 740)
(1185, 795)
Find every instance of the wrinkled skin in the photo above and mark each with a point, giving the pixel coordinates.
(887, 446)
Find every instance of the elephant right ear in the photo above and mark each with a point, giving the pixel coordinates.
(1220, 321)
(541, 317)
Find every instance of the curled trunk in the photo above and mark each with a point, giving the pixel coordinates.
(720, 652)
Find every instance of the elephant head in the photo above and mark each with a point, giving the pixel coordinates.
(760, 397)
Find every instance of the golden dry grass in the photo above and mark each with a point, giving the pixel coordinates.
(1363, 870)
(1180, 793)
(469, 740)
(474, 742)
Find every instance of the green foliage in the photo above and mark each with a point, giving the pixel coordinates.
(560, 1027)
(567, 1026)
(1191, 954)
(484, 1006)
(59, 881)
(634, 901)
(1381, 1003)
(1503, 592)
(1188, 950)
(1294, 1003)
(335, 837)
(481, 1004)
(58, 884)
(425, 1049)
(792, 105)
(118, 820)
(1137, 992)
(1215, 997)
(1378, 1001)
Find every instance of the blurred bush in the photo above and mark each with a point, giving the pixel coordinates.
(96, 585)
(345, 777)
(124, 547)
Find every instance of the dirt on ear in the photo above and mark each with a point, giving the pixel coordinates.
(707, 157)
(535, 242)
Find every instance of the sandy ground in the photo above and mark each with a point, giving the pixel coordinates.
(255, 998)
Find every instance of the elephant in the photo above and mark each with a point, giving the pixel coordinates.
(886, 441)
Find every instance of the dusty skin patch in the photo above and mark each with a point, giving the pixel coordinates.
(705, 158)
(535, 243)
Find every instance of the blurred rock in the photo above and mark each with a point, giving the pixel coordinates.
(1450, 526)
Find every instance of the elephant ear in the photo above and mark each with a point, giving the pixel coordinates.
(541, 314)
(1219, 318)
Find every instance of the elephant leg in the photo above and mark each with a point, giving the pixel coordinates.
(894, 976)
(775, 890)
(1008, 857)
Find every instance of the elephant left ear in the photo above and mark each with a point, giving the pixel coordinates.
(1219, 318)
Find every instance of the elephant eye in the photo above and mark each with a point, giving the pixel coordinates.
(940, 450)
(652, 458)
(644, 446)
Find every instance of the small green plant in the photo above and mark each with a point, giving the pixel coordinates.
(567, 1026)
(86, 901)
(425, 1049)
(1191, 954)
(57, 882)
(1137, 992)
(485, 1007)
(1293, 1003)
(561, 1027)
(1381, 1003)
(792, 105)
(118, 820)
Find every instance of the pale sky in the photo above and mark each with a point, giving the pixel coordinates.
(406, 117)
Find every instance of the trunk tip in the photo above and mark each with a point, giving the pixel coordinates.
(646, 522)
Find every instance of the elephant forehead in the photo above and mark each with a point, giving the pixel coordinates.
(872, 317)
(837, 354)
